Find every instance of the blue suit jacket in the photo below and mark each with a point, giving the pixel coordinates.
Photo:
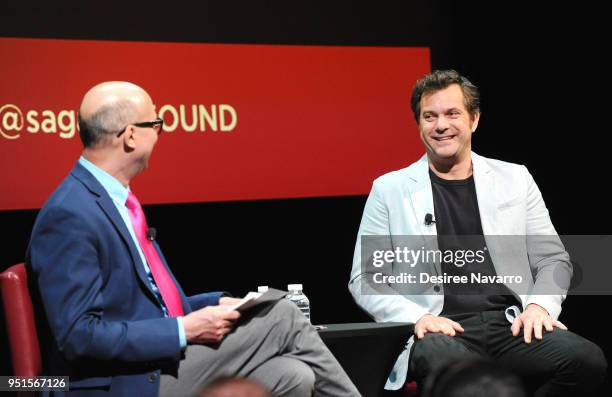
(97, 317)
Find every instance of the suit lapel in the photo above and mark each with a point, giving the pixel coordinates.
(106, 203)
(488, 196)
(108, 207)
(421, 200)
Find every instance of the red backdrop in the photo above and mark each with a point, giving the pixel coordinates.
(271, 121)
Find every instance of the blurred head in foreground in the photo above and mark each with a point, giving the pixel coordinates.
(234, 387)
(473, 378)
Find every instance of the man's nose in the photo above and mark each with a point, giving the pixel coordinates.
(441, 124)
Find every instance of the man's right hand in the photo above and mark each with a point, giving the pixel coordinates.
(431, 323)
(210, 324)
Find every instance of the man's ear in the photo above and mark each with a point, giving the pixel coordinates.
(129, 139)
(474, 118)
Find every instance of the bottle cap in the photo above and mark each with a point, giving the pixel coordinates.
(294, 287)
(262, 288)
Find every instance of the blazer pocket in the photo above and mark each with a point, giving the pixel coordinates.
(510, 203)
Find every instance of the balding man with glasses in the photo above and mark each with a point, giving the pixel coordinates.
(112, 316)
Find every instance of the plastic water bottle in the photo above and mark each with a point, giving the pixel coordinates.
(262, 289)
(297, 296)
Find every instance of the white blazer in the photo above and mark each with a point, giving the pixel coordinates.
(510, 204)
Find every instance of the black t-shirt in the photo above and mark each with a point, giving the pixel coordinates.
(459, 228)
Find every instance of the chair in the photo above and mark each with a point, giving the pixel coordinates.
(20, 323)
(411, 390)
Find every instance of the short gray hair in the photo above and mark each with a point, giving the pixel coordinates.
(109, 119)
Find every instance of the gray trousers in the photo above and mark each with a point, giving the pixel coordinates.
(274, 345)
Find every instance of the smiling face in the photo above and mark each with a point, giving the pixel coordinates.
(446, 126)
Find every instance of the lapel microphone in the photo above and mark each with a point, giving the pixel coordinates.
(151, 234)
(429, 220)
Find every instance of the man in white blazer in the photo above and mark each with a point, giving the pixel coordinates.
(452, 191)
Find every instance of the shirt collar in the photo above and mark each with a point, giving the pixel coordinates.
(113, 187)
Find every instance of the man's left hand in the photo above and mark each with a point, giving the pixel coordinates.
(227, 301)
(532, 320)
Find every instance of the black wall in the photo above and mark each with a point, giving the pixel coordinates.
(544, 78)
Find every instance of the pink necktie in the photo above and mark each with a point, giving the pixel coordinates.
(162, 278)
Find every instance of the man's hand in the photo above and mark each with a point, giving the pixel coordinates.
(431, 323)
(227, 301)
(210, 324)
(532, 320)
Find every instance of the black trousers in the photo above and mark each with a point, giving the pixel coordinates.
(562, 363)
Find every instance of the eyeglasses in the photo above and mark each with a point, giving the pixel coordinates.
(156, 124)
